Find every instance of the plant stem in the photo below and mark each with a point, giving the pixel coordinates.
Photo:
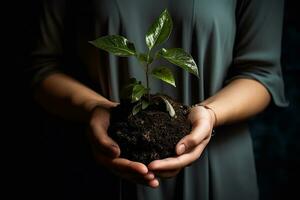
(147, 83)
(147, 76)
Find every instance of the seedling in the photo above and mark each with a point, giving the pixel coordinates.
(157, 34)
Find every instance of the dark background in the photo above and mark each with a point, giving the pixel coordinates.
(275, 136)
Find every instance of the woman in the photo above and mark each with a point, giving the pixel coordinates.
(236, 45)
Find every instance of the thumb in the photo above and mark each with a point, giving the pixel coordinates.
(192, 140)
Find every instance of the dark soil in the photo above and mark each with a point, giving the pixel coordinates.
(151, 134)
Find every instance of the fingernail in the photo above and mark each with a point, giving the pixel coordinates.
(181, 149)
(150, 176)
(154, 183)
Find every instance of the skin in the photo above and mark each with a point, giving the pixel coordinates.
(231, 104)
(65, 97)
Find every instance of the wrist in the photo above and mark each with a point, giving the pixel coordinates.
(102, 106)
(211, 112)
(90, 106)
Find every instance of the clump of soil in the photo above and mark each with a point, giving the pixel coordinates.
(152, 133)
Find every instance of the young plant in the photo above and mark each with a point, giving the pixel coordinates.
(158, 33)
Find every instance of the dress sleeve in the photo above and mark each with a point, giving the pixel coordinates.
(46, 56)
(257, 47)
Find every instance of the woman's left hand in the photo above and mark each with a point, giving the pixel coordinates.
(189, 148)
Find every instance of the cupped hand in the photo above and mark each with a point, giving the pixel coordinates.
(189, 148)
(107, 151)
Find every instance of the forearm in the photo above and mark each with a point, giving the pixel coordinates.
(61, 95)
(239, 100)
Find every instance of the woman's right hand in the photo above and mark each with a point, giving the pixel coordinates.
(107, 151)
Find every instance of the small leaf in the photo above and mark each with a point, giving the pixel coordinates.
(115, 44)
(160, 30)
(180, 58)
(144, 58)
(132, 80)
(126, 92)
(137, 108)
(169, 107)
(145, 104)
(137, 92)
(164, 74)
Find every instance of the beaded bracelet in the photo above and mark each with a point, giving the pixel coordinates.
(216, 119)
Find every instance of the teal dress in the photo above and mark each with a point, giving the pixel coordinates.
(228, 40)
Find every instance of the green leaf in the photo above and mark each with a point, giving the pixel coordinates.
(145, 104)
(160, 30)
(144, 58)
(137, 92)
(164, 74)
(133, 80)
(180, 58)
(126, 92)
(137, 108)
(115, 44)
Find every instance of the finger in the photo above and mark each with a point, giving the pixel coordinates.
(177, 162)
(129, 170)
(122, 165)
(146, 177)
(103, 142)
(167, 173)
(198, 134)
(140, 179)
(143, 179)
(153, 183)
(149, 176)
(127, 166)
